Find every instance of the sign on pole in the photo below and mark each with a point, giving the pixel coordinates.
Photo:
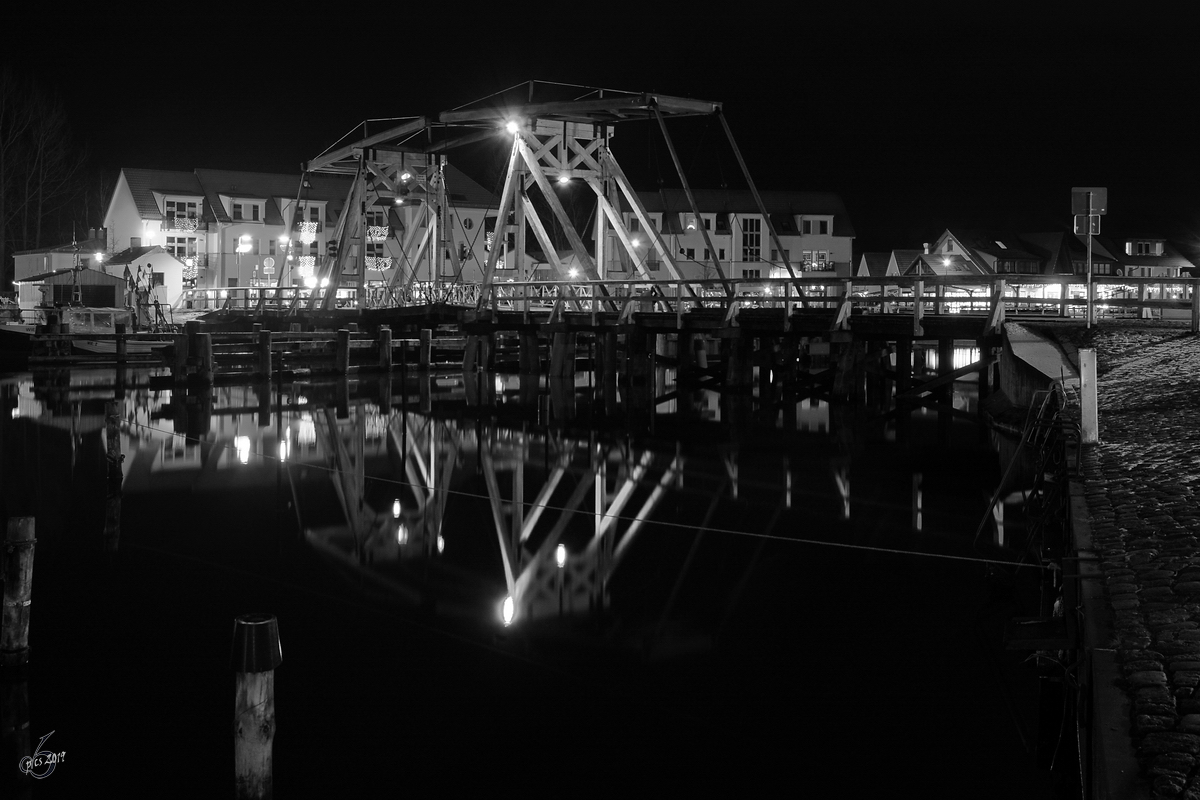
(1082, 225)
(1080, 200)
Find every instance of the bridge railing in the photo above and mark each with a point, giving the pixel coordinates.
(1044, 295)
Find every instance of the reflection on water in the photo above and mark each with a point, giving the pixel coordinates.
(555, 516)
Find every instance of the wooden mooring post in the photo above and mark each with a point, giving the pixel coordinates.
(256, 654)
(341, 360)
(18, 586)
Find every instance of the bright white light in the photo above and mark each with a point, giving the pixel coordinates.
(396, 509)
(635, 241)
(244, 245)
(945, 262)
(441, 543)
(401, 533)
(511, 126)
(310, 282)
(564, 178)
(99, 257)
(16, 413)
(499, 384)
(560, 555)
(406, 176)
(508, 610)
(324, 282)
(574, 272)
(242, 445)
(399, 201)
(285, 449)
(283, 240)
(224, 294)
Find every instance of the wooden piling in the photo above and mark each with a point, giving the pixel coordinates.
(425, 356)
(205, 352)
(530, 358)
(122, 344)
(341, 360)
(18, 586)
(385, 348)
(179, 364)
(256, 654)
(264, 353)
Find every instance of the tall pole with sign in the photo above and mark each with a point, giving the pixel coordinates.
(1087, 204)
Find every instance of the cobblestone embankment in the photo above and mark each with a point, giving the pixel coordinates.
(1142, 484)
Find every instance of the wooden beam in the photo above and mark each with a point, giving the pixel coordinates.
(687, 189)
(322, 162)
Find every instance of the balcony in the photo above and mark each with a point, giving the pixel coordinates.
(184, 224)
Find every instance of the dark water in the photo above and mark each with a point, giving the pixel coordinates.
(749, 602)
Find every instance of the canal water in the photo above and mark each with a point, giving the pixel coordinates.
(505, 583)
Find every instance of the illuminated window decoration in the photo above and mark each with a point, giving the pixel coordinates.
(308, 232)
(377, 233)
(190, 271)
(306, 266)
(379, 263)
(184, 223)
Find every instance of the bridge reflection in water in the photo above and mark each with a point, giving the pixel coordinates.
(730, 568)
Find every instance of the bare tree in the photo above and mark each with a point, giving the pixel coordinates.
(41, 170)
(15, 119)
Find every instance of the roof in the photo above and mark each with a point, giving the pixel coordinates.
(741, 201)
(905, 259)
(131, 254)
(143, 183)
(995, 243)
(945, 264)
(876, 264)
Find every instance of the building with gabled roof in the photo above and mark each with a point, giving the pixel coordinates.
(875, 265)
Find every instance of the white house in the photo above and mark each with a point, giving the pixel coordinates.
(815, 234)
(231, 228)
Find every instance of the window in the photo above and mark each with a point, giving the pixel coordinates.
(786, 255)
(270, 247)
(807, 227)
(181, 246)
(183, 209)
(751, 239)
(689, 253)
(157, 279)
(752, 273)
(237, 211)
(721, 253)
(633, 225)
(824, 226)
(707, 224)
(254, 212)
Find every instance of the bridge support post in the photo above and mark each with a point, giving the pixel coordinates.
(385, 349)
(739, 368)
(637, 360)
(264, 354)
(425, 354)
(179, 368)
(341, 360)
(205, 353)
(529, 360)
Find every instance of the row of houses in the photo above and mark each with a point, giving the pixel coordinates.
(979, 252)
(171, 230)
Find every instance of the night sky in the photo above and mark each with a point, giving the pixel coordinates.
(922, 118)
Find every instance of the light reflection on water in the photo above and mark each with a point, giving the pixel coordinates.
(657, 534)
